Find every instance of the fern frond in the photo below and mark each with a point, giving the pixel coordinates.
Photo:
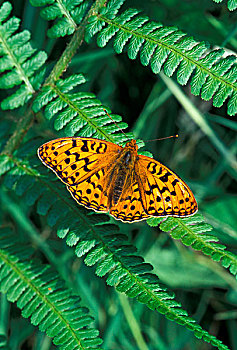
(212, 76)
(67, 15)
(232, 4)
(50, 306)
(20, 64)
(192, 231)
(101, 245)
(79, 113)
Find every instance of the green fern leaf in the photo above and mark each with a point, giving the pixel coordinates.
(41, 295)
(5, 164)
(232, 4)
(68, 15)
(20, 65)
(192, 232)
(211, 74)
(79, 112)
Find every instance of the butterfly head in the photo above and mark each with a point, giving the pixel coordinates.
(132, 145)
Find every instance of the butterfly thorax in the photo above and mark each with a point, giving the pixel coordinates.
(125, 164)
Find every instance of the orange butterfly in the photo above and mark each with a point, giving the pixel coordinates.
(106, 177)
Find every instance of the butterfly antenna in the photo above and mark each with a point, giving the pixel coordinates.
(114, 122)
(163, 138)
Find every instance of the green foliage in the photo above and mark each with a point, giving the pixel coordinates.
(192, 232)
(67, 15)
(80, 113)
(50, 305)
(232, 4)
(214, 76)
(3, 343)
(38, 208)
(20, 64)
(102, 245)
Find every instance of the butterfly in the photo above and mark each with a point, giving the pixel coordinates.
(106, 177)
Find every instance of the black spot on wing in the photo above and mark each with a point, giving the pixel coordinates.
(165, 178)
(164, 189)
(152, 187)
(101, 148)
(84, 148)
(175, 182)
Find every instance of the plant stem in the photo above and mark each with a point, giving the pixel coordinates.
(132, 322)
(21, 129)
(74, 44)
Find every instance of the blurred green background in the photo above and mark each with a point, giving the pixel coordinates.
(149, 104)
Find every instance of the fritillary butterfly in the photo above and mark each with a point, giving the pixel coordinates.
(106, 177)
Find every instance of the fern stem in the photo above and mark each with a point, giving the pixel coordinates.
(132, 322)
(199, 120)
(21, 129)
(74, 44)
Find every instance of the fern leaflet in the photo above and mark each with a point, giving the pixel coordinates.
(20, 64)
(192, 232)
(47, 302)
(67, 13)
(212, 76)
(79, 113)
(232, 4)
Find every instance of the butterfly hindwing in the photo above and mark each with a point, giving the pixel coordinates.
(163, 193)
(129, 207)
(91, 193)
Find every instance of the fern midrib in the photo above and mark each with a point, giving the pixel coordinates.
(17, 65)
(27, 281)
(66, 13)
(82, 115)
(170, 48)
(198, 237)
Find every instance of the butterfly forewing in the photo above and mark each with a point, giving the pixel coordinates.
(74, 160)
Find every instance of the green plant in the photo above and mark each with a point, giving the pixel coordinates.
(51, 105)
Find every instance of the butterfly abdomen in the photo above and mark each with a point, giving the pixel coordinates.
(126, 159)
(118, 187)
